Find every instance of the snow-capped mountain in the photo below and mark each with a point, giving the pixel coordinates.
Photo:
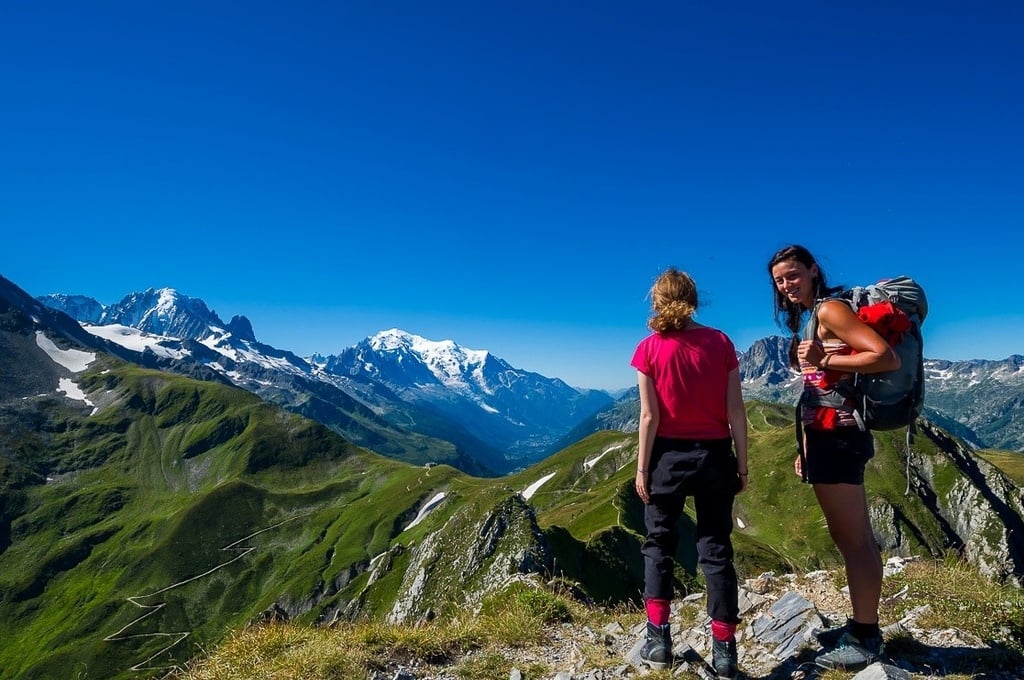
(161, 312)
(495, 416)
(522, 412)
(365, 414)
(175, 326)
(985, 396)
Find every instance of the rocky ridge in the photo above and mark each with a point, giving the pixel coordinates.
(775, 641)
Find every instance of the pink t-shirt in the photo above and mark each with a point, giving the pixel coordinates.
(690, 370)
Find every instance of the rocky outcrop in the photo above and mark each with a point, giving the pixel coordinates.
(775, 640)
(469, 558)
(765, 371)
(955, 501)
(980, 506)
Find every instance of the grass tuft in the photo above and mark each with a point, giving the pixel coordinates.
(477, 644)
(958, 597)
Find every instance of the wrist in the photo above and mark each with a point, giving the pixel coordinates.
(742, 474)
(640, 469)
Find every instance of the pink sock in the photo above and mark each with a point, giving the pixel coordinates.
(722, 631)
(658, 611)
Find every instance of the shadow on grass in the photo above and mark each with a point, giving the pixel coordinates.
(975, 662)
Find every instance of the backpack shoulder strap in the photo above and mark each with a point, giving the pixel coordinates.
(811, 329)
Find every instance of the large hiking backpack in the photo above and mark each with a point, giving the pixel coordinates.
(892, 399)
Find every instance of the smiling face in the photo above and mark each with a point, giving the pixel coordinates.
(796, 281)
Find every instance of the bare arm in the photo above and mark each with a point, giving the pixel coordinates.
(836, 321)
(649, 417)
(738, 423)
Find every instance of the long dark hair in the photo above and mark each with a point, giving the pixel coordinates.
(789, 314)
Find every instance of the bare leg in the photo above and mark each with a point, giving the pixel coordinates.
(846, 510)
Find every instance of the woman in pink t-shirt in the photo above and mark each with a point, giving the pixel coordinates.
(691, 416)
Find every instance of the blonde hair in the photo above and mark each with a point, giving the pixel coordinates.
(673, 301)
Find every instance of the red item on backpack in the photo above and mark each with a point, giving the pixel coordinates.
(887, 320)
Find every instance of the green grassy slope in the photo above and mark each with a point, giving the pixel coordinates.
(596, 521)
(183, 507)
(183, 510)
(1010, 462)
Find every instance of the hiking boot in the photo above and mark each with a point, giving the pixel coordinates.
(852, 654)
(723, 657)
(657, 650)
(829, 637)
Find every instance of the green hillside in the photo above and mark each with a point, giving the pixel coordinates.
(181, 507)
(133, 538)
(595, 519)
(1010, 462)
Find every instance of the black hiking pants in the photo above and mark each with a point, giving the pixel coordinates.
(706, 471)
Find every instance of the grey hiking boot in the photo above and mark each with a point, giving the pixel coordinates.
(723, 658)
(852, 654)
(829, 637)
(657, 650)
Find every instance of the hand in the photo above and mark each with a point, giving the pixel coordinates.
(798, 467)
(744, 480)
(642, 489)
(811, 352)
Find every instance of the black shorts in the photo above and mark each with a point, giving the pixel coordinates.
(837, 456)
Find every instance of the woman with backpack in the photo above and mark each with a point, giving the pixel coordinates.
(833, 445)
(691, 415)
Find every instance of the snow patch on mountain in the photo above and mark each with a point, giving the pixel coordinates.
(243, 352)
(74, 360)
(70, 388)
(934, 373)
(136, 340)
(532, 489)
(593, 461)
(167, 301)
(425, 510)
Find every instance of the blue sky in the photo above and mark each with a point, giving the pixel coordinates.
(513, 176)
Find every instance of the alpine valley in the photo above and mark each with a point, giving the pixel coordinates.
(166, 478)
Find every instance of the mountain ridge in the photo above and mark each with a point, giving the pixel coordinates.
(498, 417)
(981, 400)
(364, 413)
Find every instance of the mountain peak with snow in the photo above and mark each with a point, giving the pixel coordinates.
(442, 354)
(477, 389)
(166, 312)
(394, 338)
